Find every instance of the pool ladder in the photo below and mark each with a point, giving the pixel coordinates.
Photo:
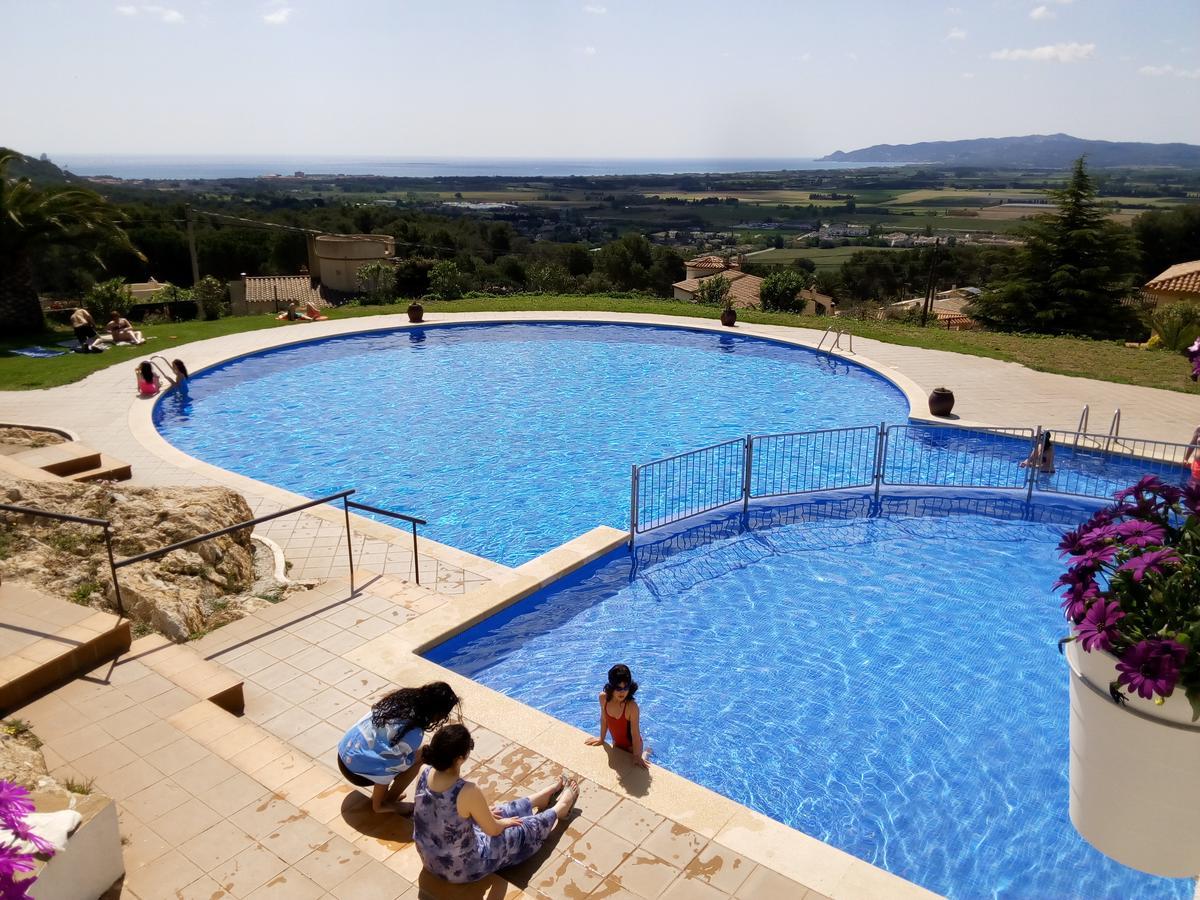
(838, 334)
(1114, 428)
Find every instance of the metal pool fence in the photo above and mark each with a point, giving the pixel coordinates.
(926, 455)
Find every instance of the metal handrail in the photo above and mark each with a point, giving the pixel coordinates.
(838, 334)
(220, 532)
(80, 520)
(413, 520)
(1114, 429)
(1083, 422)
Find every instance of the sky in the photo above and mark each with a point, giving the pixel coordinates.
(594, 79)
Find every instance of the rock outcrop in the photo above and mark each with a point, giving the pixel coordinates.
(179, 595)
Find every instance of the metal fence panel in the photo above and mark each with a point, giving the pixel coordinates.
(689, 484)
(947, 456)
(806, 461)
(1098, 465)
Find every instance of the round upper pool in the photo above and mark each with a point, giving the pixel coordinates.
(508, 438)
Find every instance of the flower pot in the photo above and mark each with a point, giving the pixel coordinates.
(941, 402)
(416, 312)
(728, 317)
(1135, 771)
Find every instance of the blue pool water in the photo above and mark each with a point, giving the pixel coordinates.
(882, 676)
(509, 439)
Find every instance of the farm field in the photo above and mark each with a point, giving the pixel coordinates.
(829, 260)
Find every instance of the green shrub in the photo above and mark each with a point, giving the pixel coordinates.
(446, 281)
(106, 297)
(378, 282)
(781, 291)
(210, 295)
(1175, 325)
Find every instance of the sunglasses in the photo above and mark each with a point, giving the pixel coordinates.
(620, 687)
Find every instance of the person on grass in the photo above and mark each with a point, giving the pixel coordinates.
(458, 835)
(620, 715)
(121, 331)
(383, 750)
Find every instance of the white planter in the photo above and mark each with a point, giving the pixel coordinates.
(1135, 772)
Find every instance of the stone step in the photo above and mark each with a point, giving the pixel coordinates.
(46, 642)
(188, 669)
(107, 469)
(61, 459)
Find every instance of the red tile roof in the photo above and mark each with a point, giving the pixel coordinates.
(285, 288)
(1183, 278)
(707, 262)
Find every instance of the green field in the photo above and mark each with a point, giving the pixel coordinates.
(829, 260)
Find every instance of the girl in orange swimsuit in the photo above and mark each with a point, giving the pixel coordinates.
(619, 715)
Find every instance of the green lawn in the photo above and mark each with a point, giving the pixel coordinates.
(827, 260)
(1103, 360)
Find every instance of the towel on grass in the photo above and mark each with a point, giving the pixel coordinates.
(37, 352)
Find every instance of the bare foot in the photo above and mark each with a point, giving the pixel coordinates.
(542, 798)
(404, 808)
(566, 800)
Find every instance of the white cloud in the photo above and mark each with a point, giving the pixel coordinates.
(127, 10)
(169, 16)
(805, 57)
(588, 51)
(954, 10)
(968, 75)
(1159, 71)
(279, 16)
(1039, 13)
(956, 34)
(596, 10)
(1063, 53)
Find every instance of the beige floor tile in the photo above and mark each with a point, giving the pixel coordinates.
(683, 888)
(291, 723)
(332, 862)
(169, 703)
(374, 881)
(203, 888)
(720, 867)
(178, 756)
(160, 879)
(296, 838)
(517, 764)
(262, 818)
(274, 675)
(153, 737)
(289, 885)
(84, 741)
(216, 845)
(128, 721)
(235, 793)
(248, 871)
(128, 780)
(150, 685)
(204, 774)
(331, 701)
(600, 850)
(300, 689)
(675, 843)
(645, 874)
(152, 802)
(184, 822)
(266, 751)
(764, 882)
(631, 820)
(406, 862)
(140, 844)
(611, 889)
(308, 784)
(107, 758)
(595, 802)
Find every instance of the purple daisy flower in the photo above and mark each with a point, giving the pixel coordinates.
(13, 861)
(1151, 563)
(1092, 559)
(1077, 601)
(1191, 497)
(1098, 627)
(1136, 533)
(15, 803)
(1151, 667)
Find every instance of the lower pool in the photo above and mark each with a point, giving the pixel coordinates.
(881, 675)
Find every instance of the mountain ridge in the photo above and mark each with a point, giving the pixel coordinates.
(1050, 151)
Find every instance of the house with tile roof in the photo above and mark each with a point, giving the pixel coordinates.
(1180, 282)
(743, 287)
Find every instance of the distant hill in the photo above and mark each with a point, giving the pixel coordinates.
(1040, 151)
(39, 171)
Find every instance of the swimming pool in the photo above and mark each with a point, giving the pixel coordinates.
(508, 438)
(911, 640)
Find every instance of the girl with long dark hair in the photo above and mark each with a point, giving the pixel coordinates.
(620, 715)
(383, 750)
(459, 835)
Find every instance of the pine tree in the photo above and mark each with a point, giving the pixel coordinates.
(1070, 277)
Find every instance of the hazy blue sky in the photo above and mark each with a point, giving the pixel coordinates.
(603, 78)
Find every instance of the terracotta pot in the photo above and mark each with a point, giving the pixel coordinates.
(1135, 771)
(728, 317)
(941, 402)
(416, 312)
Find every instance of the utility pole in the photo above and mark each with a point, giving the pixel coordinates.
(929, 284)
(191, 235)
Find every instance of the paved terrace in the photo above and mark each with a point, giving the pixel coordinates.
(215, 805)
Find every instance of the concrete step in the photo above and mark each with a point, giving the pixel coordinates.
(188, 669)
(46, 642)
(107, 469)
(61, 459)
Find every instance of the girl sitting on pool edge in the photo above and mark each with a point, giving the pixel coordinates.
(620, 715)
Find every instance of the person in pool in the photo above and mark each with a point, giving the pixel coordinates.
(383, 750)
(1042, 456)
(620, 715)
(1191, 457)
(148, 382)
(458, 835)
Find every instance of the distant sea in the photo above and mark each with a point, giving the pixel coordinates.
(182, 167)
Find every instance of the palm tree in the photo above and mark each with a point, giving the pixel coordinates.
(32, 218)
